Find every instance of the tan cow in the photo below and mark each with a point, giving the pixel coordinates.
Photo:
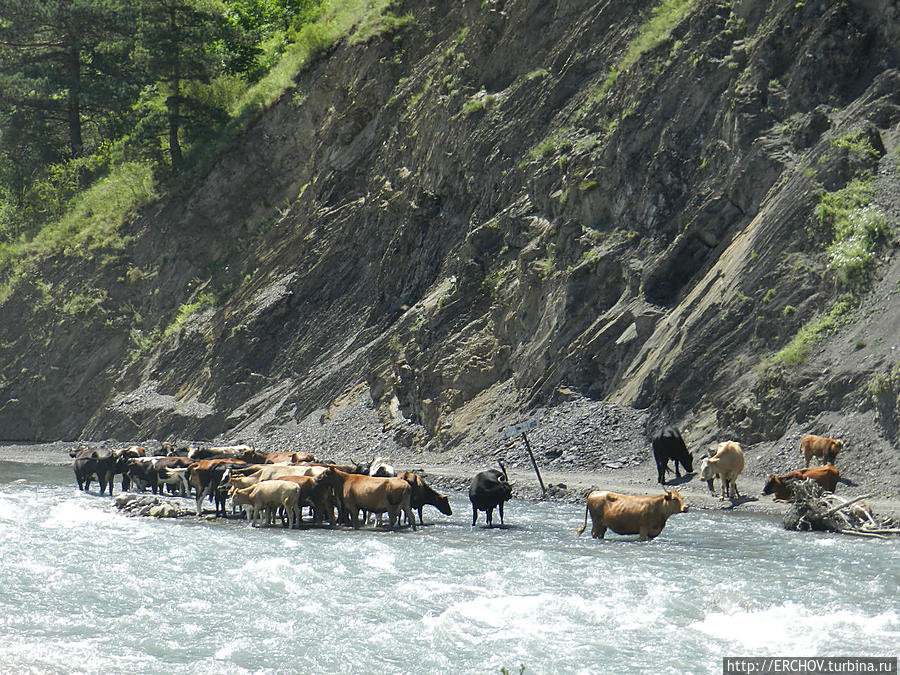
(644, 515)
(289, 458)
(726, 464)
(261, 472)
(372, 494)
(819, 446)
(266, 497)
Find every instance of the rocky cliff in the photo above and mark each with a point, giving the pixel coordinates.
(504, 205)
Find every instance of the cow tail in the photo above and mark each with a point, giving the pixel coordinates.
(581, 529)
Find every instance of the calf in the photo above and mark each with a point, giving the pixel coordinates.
(645, 516)
(423, 494)
(669, 445)
(780, 486)
(819, 446)
(266, 497)
(726, 464)
(487, 490)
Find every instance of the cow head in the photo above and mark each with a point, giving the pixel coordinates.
(772, 484)
(674, 502)
(361, 467)
(443, 505)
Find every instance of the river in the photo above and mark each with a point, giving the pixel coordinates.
(84, 588)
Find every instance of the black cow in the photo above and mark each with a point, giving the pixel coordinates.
(102, 464)
(668, 444)
(148, 471)
(489, 489)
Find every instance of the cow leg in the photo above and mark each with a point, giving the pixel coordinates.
(500, 508)
(200, 496)
(474, 515)
(661, 472)
(598, 530)
(420, 516)
(410, 516)
(489, 516)
(677, 473)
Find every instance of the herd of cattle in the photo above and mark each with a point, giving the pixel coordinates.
(265, 485)
(646, 515)
(268, 485)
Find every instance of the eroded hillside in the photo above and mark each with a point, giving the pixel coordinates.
(501, 201)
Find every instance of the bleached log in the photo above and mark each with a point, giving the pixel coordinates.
(840, 507)
(861, 533)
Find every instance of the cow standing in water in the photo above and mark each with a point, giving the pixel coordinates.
(668, 444)
(489, 489)
(644, 515)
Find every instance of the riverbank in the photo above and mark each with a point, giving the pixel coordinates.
(567, 486)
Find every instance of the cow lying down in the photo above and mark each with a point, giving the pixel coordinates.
(644, 515)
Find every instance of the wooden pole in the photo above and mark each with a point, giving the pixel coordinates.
(534, 464)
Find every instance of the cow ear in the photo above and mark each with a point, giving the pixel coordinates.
(668, 495)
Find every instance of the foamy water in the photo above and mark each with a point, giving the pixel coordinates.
(85, 589)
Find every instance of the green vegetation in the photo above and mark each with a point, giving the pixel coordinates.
(162, 86)
(888, 382)
(477, 103)
(857, 230)
(652, 32)
(186, 311)
(856, 145)
(802, 343)
(557, 142)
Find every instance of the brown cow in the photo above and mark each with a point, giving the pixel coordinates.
(819, 446)
(317, 492)
(423, 494)
(372, 494)
(780, 489)
(644, 515)
(206, 476)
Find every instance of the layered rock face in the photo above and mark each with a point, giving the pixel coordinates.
(499, 202)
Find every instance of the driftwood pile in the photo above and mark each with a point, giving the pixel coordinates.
(815, 509)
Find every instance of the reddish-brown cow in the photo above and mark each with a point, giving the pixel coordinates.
(819, 446)
(780, 486)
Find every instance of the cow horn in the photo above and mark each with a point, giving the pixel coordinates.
(503, 469)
